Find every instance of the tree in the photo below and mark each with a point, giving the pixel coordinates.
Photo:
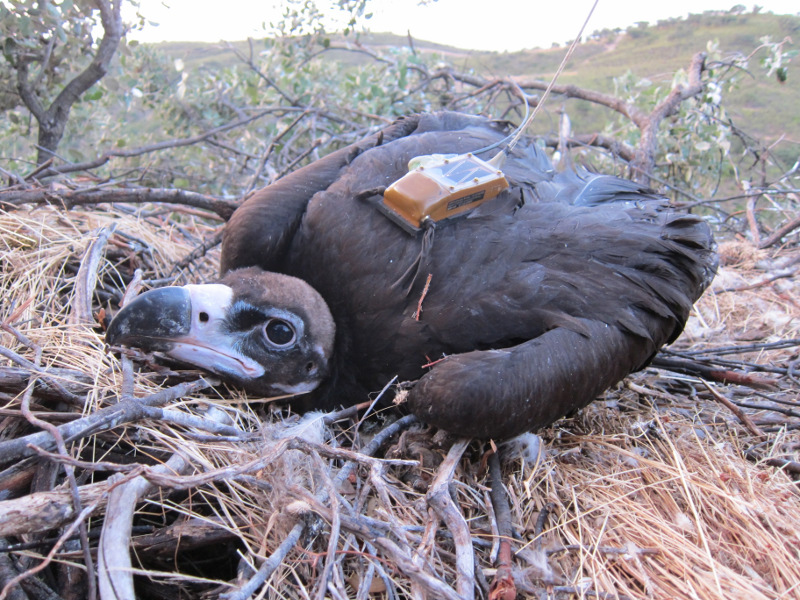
(42, 41)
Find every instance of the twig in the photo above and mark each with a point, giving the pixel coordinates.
(333, 536)
(751, 220)
(438, 498)
(276, 558)
(114, 568)
(86, 280)
(758, 284)
(780, 233)
(344, 454)
(740, 414)
(81, 197)
(502, 586)
(790, 466)
(604, 550)
(199, 252)
(424, 293)
(102, 420)
(697, 369)
(398, 556)
(265, 157)
(739, 349)
(268, 566)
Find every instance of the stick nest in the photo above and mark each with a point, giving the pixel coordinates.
(670, 486)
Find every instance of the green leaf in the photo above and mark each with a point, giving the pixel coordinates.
(93, 94)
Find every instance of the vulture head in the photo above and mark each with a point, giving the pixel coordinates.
(500, 320)
(270, 333)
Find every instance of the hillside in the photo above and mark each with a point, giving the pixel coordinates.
(655, 52)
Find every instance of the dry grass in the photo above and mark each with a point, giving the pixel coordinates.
(656, 491)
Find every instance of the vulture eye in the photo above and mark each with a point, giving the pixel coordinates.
(279, 333)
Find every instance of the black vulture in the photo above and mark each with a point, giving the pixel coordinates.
(501, 320)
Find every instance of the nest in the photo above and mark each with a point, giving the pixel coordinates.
(679, 483)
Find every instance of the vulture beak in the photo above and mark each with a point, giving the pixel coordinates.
(187, 324)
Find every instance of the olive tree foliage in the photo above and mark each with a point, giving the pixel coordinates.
(54, 52)
(223, 127)
(703, 156)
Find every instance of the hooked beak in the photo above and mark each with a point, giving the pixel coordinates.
(185, 323)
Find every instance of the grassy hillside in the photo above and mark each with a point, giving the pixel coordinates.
(654, 51)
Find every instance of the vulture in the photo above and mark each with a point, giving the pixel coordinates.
(498, 321)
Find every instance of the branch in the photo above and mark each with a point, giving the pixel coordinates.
(503, 587)
(617, 148)
(780, 233)
(637, 116)
(86, 279)
(104, 419)
(27, 92)
(174, 143)
(570, 91)
(438, 498)
(645, 159)
(69, 199)
(54, 119)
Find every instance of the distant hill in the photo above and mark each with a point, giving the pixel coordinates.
(762, 107)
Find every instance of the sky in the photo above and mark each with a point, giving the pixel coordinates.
(499, 25)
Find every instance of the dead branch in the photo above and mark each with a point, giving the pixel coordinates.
(758, 284)
(439, 500)
(44, 511)
(698, 369)
(502, 587)
(752, 222)
(746, 421)
(55, 383)
(68, 199)
(648, 143)
(102, 420)
(780, 233)
(643, 159)
(87, 278)
(114, 568)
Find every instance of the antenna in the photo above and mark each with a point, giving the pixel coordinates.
(498, 159)
(441, 186)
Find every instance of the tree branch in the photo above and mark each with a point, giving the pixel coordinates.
(51, 126)
(81, 197)
(646, 151)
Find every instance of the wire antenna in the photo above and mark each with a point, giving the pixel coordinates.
(499, 158)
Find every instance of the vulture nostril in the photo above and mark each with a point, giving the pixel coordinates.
(311, 368)
(203, 316)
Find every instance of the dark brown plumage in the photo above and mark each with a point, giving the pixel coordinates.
(538, 300)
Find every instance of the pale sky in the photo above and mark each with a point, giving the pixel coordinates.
(469, 24)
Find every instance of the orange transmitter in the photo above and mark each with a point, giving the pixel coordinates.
(440, 186)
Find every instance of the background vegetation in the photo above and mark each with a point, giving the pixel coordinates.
(224, 119)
